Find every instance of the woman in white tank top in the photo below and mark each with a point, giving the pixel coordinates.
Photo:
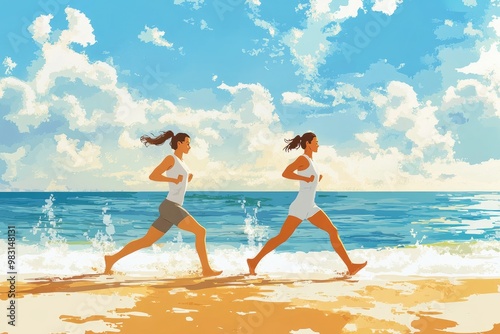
(303, 207)
(171, 210)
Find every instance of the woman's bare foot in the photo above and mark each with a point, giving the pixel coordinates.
(210, 272)
(355, 267)
(251, 266)
(108, 265)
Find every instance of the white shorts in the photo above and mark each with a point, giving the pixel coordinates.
(302, 211)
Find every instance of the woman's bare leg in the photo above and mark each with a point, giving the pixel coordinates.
(147, 240)
(286, 231)
(321, 220)
(191, 225)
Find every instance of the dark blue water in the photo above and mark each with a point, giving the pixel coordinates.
(364, 219)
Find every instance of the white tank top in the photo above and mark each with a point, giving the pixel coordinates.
(307, 190)
(177, 191)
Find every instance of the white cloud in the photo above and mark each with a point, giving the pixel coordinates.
(328, 10)
(253, 52)
(214, 77)
(265, 25)
(400, 103)
(470, 31)
(403, 112)
(77, 159)
(387, 7)
(204, 25)
(61, 61)
(31, 111)
(348, 11)
(40, 28)
(254, 3)
(429, 165)
(302, 56)
(126, 141)
(344, 91)
(261, 100)
(310, 46)
(100, 130)
(155, 36)
(495, 24)
(256, 18)
(77, 115)
(9, 65)
(370, 139)
(210, 132)
(79, 30)
(12, 160)
(201, 148)
(188, 117)
(195, 4)
(486, 67)
(128, 110)
(292, 98)
(488, 64)
(319, 8)
(449, 23)
(470, 3)
(301, 6)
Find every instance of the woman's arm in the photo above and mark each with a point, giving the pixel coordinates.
(166, 164)
(190, 177)
(300, 163)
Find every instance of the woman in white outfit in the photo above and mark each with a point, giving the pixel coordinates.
(171, 211)
(304, 207)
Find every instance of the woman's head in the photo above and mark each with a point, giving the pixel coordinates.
(178, 141)
(308, 139)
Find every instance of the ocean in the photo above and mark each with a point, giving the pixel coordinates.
(399, 233)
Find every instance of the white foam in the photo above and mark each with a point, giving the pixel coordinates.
(469, 259)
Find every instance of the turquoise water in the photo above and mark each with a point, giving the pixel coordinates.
(364, 219)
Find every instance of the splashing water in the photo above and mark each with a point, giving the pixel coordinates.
(253, 230)
(103, 241)
(178, 238)
(47, 225)
(106, 219)
(414, 235)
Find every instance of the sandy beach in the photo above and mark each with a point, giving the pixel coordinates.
(254, 304)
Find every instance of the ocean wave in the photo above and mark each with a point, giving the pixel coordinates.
(177, 259)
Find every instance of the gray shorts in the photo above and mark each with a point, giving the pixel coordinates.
(171, 213)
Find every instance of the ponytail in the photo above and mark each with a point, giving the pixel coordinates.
(299, 141)
(163, 137)
(292, 143)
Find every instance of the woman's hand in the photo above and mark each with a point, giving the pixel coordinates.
(309, 179)
(179, 179)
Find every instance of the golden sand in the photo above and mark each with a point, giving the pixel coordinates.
(246, 304)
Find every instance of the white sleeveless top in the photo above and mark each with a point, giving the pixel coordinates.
(177, 191)
(307, 190)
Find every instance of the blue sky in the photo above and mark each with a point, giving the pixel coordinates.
(403, 94)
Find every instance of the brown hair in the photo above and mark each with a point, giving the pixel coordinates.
(299, 141)
(163, 137)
